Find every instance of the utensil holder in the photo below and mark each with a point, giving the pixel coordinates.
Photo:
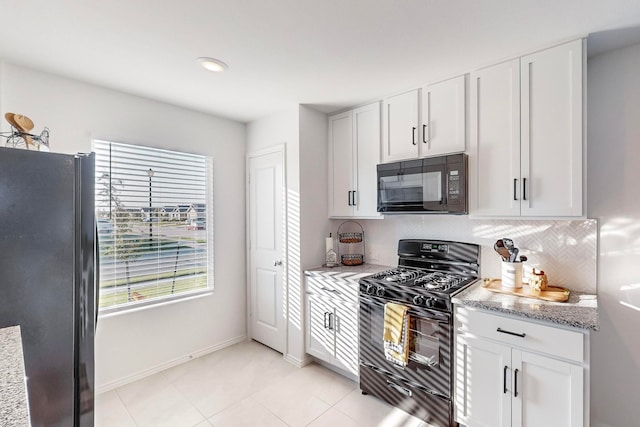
(512, 275)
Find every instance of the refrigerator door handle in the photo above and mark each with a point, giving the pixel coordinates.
(97, 279)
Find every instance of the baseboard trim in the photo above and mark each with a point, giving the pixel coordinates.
(353, 377)
(298, 363)
(169, 364)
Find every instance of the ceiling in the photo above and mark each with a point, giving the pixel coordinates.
(329, 54)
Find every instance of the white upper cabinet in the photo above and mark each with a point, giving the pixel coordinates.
(443, 118)
(354, 152)
(526, 147)
(400, 127)
(341, 182)
(551, 134)
(494, 149)
(425, 122)
(366, 140)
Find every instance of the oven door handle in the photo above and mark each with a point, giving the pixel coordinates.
(413, 311)
(399, 389)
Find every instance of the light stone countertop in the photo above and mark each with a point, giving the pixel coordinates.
(345, 272)
(13, 394)
(580, 311)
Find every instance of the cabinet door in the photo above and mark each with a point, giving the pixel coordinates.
(551, 90)
(494, 154)
(549, 392)
(400, 127)
(320, 338)
(346, 329)
(443, 118)
(366, 138)
(341, 164)
(483, 378)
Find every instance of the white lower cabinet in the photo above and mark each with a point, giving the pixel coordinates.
(332, 324)
(518, 381)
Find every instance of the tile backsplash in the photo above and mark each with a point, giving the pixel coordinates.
(565, 250)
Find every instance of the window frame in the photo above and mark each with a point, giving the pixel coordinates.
(207, 181)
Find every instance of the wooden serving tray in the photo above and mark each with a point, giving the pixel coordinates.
(552, 293)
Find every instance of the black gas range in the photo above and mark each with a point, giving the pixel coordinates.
(429, 273)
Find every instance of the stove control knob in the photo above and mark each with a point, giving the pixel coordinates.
(418, 300)
(431, 302)
(370, 289)
(380, 291)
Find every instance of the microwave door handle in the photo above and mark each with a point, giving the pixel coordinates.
(446, 185)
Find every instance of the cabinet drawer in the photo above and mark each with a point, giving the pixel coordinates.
(333, 286)
(521, 333)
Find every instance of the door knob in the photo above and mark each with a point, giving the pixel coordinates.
(277, 263)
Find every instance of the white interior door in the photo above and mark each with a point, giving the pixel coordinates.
(266, 237)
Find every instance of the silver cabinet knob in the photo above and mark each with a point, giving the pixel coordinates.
(277, 263)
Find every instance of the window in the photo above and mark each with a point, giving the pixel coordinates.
(155, 224)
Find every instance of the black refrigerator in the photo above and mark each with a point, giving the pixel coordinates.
(47, 282)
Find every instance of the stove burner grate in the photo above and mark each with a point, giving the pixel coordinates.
(398, 275)
(439, 281)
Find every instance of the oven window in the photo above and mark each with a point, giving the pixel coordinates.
(424, 346)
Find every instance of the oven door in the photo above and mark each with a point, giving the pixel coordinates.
(430, 345)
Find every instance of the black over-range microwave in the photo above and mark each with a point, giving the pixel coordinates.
(430, 185)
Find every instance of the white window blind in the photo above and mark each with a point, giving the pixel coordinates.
(155, 221)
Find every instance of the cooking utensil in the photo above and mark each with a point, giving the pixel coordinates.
(508, 243)
(501, 250)
(514, 254)
(513, 251)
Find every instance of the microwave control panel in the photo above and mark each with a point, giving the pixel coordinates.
(454, 184)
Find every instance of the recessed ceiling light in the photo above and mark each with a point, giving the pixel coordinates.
(213, 64)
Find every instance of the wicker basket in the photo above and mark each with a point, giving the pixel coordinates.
(350, 237)
(352, 259)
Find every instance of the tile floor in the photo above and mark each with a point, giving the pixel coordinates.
(245, 385)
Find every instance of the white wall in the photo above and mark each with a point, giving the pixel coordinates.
(613, 182)
(314, 184)
(130, 345)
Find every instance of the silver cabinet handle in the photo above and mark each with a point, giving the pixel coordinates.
(277, 263)
(399, 389)
(335, 291)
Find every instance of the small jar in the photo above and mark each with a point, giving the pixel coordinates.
(538, 282)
